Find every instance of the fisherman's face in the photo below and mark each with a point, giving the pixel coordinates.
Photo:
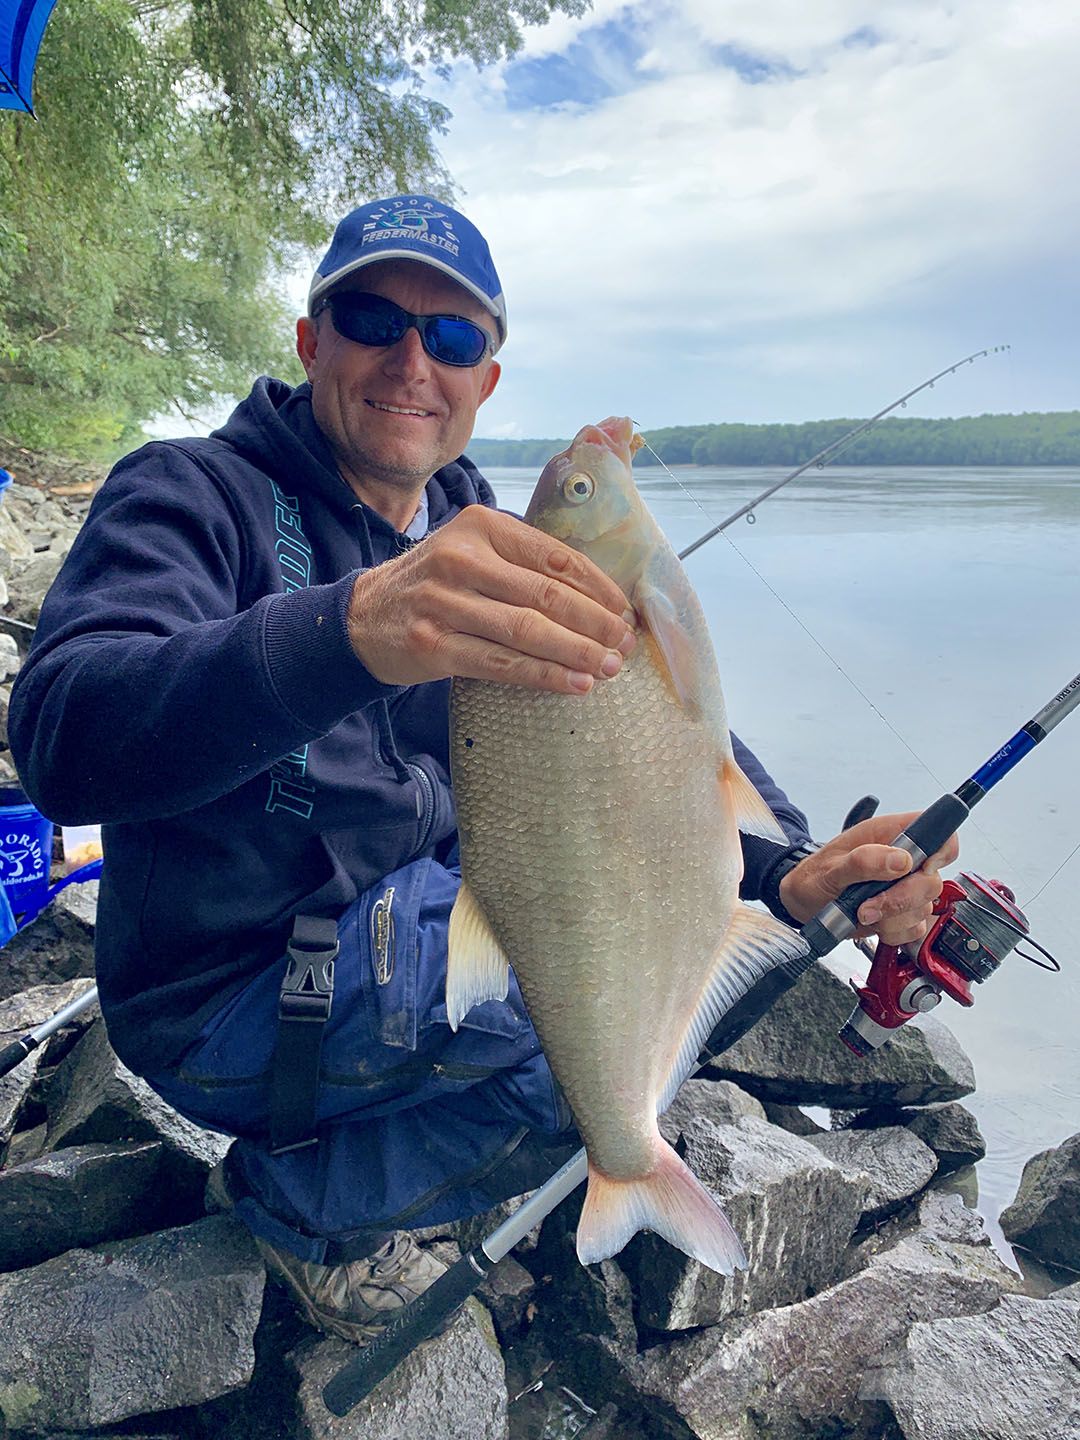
(393, 416)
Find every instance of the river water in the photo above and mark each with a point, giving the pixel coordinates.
(884, 631)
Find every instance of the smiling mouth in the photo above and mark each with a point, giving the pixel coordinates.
(399, 409)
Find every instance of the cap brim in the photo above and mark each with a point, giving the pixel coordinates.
(323, 284)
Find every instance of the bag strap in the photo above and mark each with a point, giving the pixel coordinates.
(307, 994)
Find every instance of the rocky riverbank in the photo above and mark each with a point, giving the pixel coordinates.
(874, 1306)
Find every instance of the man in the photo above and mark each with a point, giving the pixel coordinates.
(242, 672)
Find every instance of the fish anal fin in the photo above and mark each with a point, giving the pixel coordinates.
(754, 944)
(669, 1200)
(476, 967)
(752, 815)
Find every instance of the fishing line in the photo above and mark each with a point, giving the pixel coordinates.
(801, 624)
(720, 530)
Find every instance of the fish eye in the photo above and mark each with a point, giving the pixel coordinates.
(578, 488)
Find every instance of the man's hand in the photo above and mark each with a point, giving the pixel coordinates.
(900, 915)
(489, 597)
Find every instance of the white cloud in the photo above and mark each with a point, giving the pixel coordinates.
(696, 239)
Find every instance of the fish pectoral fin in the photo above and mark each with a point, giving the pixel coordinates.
(670, 1200)
(674, 641)
(476, 968)
(754, 944)
(752, 815)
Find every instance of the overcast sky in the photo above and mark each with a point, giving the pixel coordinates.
(768, 210)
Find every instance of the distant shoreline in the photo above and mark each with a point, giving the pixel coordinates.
(1037, 439)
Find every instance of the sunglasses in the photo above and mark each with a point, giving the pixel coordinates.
(373, 320)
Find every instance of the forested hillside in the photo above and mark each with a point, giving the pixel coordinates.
(1030, 439)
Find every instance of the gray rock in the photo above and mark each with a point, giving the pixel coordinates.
(508, 1293)
(9, 649)
(944, 1216)
(1067, 1292)
(450, 1388)
(951, 1131)
(28, 583)
(897, 1163)
(19, 1015)
(792, 1119)
(57, 946)
(716, 1100)
(80, 1197)
(793, 1057)
(1045, 1216)
(93, 1099)
(1010, 1374)
(793, 1209)
(588, 1324)
(796, 1372)
(95, 1336)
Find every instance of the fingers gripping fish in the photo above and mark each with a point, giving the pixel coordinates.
(601, 857)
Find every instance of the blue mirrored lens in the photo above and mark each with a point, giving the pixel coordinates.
(373, 320)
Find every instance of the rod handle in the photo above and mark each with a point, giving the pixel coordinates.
(15, 1053)
(417, 1321)
(926, 834)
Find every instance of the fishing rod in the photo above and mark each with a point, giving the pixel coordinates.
(836, 921)
(830, 452)
(17, 1051)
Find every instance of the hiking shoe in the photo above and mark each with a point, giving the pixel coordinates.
(355, 1300)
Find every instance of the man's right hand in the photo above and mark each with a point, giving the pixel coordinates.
(491, 598)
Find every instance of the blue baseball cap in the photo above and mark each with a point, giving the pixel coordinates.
(412, 227)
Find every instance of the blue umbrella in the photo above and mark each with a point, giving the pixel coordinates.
(22, 24)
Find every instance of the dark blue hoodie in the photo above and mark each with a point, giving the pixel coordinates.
(192, 687)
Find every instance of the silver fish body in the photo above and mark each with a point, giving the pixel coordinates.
(601, 858)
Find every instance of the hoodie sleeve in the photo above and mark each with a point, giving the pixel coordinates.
(759, 856)
(153, 686)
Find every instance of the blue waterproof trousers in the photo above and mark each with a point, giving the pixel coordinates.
(414, 1120)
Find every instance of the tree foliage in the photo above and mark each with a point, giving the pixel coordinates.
(1051, 438)
(187, 154)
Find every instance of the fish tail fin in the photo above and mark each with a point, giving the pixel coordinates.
(670, 1200)
(752, 815)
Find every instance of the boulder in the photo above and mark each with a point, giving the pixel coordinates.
(793, 1056)
(951, 1131)
(452, 1387)
(19, 1015)
(716, 1100)
(796, 1372)
(896, 1162)
(1045, 1216)
(57, 946)
(94, 1099)
(79, 1197)
(96, 1336)
(1009, 1374)
(793, 1209)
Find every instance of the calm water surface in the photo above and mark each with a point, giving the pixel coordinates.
(885, 631)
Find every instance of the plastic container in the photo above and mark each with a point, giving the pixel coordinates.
(5, 480)
(26, 839)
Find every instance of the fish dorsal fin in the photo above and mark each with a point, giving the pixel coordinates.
(752, 815)
(476, 967)
(754, 944)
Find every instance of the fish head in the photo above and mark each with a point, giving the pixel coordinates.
(587, 498)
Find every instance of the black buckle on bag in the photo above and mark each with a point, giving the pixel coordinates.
(304, 1004)
(307, 992)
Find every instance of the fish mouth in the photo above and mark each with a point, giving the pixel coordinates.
(616, 434)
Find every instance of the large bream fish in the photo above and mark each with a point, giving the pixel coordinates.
(601, 858)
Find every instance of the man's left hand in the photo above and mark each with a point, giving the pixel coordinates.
(899, 916)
